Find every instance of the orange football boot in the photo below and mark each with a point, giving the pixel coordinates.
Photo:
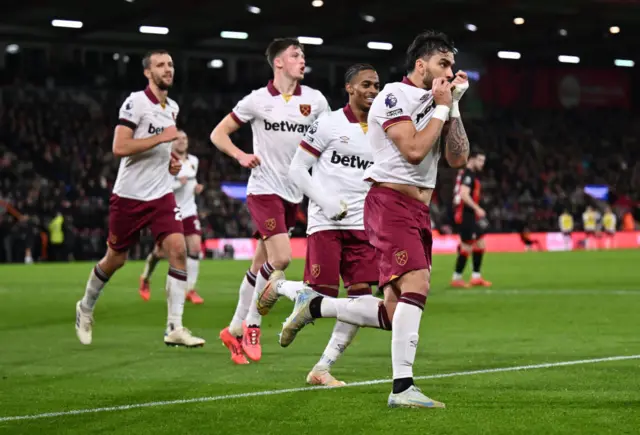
(479, 282)
(234, 344)
(459, 283)
(144, 289)
(251, 342)
(194, 297)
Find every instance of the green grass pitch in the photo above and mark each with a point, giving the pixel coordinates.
(543, 308)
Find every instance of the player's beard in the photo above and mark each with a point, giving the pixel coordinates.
(161, 84)
(427, 81)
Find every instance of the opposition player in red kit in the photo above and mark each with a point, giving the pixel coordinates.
(142, 197)
(405, 127)
(279, 114)
(337, 151)
(185, 188)
(470, 220)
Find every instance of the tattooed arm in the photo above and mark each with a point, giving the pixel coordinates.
(456, 143)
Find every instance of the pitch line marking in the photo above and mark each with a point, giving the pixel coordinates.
(525, 292)
(302, 389)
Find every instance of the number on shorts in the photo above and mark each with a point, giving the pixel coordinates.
(178, 213)
(196, 223)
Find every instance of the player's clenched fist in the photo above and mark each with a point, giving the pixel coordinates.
(460, 85)
(174, 165)
(169, 134)
(249, 160)
(441, 89)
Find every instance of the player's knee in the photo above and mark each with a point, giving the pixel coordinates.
(194, 246)
(280, 261)
(113, 261)
(176, 250)
(416, 281)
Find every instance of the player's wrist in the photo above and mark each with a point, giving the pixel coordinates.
(441, 112)
(455, 110)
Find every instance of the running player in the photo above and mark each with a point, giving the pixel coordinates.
(336, 148)
(609, 225)
(142, 197)
(471, 221)
(565, 222)
(279, 114)
(185, 188)
(404, 133)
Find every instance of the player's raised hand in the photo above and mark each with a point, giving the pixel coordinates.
(460, 85)
(169, 134)
(249, 160)
(336, 212)
(174, 165)
(441, 90)
(460, 78)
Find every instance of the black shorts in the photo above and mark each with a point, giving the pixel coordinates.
(469, 229)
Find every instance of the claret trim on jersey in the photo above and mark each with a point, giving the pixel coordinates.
(274, 92)
(348, 112)
(151, 96)
(406, 81)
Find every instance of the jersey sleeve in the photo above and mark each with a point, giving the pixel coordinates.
(131, 112)
(392, 108)
(467, 180)
(317, 138)
(245, 110)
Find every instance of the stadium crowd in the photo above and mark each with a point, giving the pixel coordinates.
(55, 157)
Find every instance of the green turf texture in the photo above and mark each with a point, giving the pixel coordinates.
(569, 306)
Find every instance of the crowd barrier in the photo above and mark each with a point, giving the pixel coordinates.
(448, 244)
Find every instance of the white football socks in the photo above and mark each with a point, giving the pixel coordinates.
(404, 334)
(289, 289)
(341, 337)
(254, 318)
(96, 282)
(245, 296)
(149, 265)
(176, 291)
(193, 269)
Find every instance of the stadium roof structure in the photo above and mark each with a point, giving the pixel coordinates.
(345, 26)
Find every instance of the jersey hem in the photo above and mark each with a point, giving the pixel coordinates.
(141, 199)
(317, 229)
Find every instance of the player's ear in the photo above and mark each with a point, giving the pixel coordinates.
(349, 88)
(277, 62)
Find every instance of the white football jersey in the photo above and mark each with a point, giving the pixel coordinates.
(339, 142)
(145, 176)
(278, 123)
(400, 102)
(185, 193)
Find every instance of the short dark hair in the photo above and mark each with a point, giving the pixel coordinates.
(475, 152)
(278, 45)
(353, 71)
(146, 60)
(425, 44)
